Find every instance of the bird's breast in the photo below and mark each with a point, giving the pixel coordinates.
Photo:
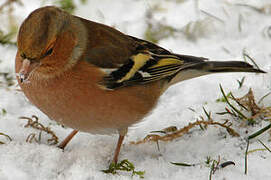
(75, 100)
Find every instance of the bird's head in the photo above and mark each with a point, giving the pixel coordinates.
(38, 33)
(48, 41)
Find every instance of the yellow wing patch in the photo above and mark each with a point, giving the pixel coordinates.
(139, 61)
(143, 67)
(167, 61)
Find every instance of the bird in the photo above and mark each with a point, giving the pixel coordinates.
(93, 78)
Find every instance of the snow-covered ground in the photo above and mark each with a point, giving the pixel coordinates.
(222, 37)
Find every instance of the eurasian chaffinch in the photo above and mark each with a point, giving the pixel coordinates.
(93, 78)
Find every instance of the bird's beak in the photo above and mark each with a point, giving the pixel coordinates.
(26, 68)
(23, 72)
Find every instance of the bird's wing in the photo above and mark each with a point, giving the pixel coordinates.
(127, 60)
(147, 63)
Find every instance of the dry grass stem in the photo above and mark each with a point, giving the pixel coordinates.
(34, 123)
(7, 136)
(248, 101)
(32, 137)
(265, 9)
(184, 130)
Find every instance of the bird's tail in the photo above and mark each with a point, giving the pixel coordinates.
(226, 66)
(208, 67)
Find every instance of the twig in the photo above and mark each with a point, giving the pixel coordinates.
(214, 167)
(246, 153)
(235, 109)
(262, 98)
(238, 102)
(180, 132)
(213, 16)
(31, 137)
(33, 122)
(241, 82)
(259, 132)
(245, 55)
(167, 130)
(265, 9)
(255, 150)
(251, 137)
(264, 146)
(207, 114)
(183, 164)
(7, 136)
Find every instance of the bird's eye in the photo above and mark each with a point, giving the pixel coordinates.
(23, 56)
(49, 52)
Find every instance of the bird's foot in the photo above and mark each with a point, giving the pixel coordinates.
(64, 143)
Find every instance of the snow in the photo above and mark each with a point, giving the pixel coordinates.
(88, 154)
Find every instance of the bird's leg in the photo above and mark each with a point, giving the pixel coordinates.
(63, 144)
(122, 133)
(117, 150)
